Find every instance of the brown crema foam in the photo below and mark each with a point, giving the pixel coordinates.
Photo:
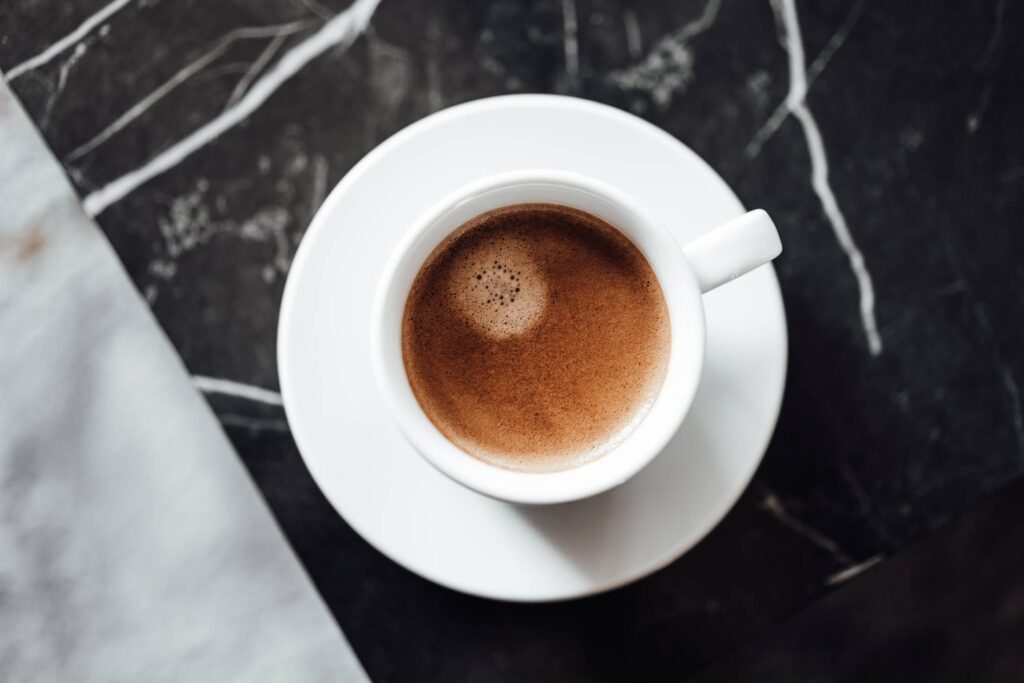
(536, 337)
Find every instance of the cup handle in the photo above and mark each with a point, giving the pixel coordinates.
(733, 249)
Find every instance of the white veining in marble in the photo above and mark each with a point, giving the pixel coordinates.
(796, 102)
(184, 74)
(667, 70)
(1010, 174)
(1005, 375)
(1013, 391)
(773, 505)
(390, 76)
(227, 387)
(984, 324)
(850, 572)
(435, 97)
(634, 39)
(976, 115)
(254, 69)
(570, 42)
(775, 508)
(133, 544)
(771, 125)
(320, 170)
(67, 41)
(341, 30)
(62, 81)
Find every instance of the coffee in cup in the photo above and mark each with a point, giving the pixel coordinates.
(612, 389)
(536, 337)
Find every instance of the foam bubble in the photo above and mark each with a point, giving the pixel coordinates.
(499, 287)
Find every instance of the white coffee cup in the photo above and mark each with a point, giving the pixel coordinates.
(684, 273)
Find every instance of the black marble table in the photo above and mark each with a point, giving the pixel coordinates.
(884, 138)
(947, 610)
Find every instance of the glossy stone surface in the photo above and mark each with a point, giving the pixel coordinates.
(905, 154)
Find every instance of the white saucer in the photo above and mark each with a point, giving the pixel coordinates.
(413, 513)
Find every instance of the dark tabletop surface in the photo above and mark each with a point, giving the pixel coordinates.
(896, 186)
(948, 609)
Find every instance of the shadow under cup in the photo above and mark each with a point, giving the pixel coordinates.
(682, 298)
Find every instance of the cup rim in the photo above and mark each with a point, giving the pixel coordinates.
(624, 460)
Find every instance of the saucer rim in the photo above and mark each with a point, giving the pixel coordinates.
(317, 225)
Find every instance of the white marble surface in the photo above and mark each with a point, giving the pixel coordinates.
(133, 545)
